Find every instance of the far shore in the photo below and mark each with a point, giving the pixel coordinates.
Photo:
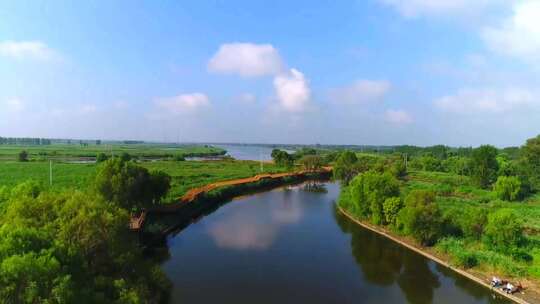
(531, 295)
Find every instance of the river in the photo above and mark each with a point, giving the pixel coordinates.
(289, 245)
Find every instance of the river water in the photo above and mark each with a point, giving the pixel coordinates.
(289, 245)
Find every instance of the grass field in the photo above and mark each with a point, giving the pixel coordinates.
(185, 174)
(10, 152)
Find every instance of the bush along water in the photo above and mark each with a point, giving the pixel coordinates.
(485, 234)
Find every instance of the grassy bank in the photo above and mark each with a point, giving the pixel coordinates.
(449, 219)
(76, 150)
(185, 174)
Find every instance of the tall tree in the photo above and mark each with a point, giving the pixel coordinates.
(530, 154)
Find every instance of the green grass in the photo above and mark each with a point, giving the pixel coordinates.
(185, 174)
(9, 152)
(188, 175)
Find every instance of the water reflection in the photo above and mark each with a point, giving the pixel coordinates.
(255, 226)
(291, 246)
(385, 263)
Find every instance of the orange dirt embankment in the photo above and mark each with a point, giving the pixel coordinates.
(137, 222)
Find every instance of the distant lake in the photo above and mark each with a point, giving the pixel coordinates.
(249, 152)
(290, 245)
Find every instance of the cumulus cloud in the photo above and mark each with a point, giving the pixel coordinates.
(246, 59)
(519, 35)
(292, 91)
(361, 91)
(398, 117)
(185, 103)
(488, 100)
(418, 8)
(27, 49)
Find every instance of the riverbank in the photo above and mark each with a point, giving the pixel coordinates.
(525, 298)
(163, 220)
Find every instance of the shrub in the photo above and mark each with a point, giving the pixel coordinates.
(421, 218)
(369, 190)
(179, 157)
(22, 156)
(504, 231)
(508, 188)
(101, 157)
(391, 208)
(473, 223)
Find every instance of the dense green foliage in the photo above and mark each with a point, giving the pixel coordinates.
(130, 186)
(480, 207)
(346, 166)
(421, 217)
(311, 162)
(282, 158)
(67, 247)
(369, 191)
(503, 231)
(508, 188)
(484, 166)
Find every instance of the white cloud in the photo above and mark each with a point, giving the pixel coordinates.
(488, 100)
(292, 91)
(27, 49)
(246, 59)
(519, 35)
(15, 105)
(185, 103)
(361, 91)
(398, 117)
(416, 8)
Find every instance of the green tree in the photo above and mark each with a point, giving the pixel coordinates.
(530, 154)
(345, 168)
(508, 188)
(421, 217)
(311, 162)
(504, 231)
(125, 157)
(22, 156)
(368, 192)
(484, 165)
(101, 157)
(130, 186)
(282, 158)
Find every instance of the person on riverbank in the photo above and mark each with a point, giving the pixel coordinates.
(496, 282)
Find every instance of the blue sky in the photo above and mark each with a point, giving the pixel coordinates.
(337, 72)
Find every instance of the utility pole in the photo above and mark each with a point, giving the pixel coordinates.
(50, 172)
(260, 159)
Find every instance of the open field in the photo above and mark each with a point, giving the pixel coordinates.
(76, 150)
(185, 174)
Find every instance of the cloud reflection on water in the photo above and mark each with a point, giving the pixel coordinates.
(255, 226)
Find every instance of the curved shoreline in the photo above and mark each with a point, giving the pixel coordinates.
(431, 257)
(199, 194)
